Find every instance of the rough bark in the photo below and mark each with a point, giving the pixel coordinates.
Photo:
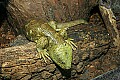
(115, 6)
(22, 62)
(110, 21)
(21, 11)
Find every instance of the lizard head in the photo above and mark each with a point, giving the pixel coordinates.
(61, 54)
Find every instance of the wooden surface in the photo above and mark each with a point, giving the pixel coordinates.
(22, 61)
(21, 11)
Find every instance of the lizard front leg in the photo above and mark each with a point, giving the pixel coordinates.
(42, 43)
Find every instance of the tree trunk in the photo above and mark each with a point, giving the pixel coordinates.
(21, 11)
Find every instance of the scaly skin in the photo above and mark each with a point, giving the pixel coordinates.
(50, 42)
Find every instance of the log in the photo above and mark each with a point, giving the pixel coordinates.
(21, 11)
(110, 21)
(22, 62)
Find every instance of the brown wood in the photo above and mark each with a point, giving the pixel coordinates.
(23, 63)
(110, 22)
(21, 11)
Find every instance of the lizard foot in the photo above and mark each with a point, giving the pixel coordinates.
(43, 54)
(71, 43)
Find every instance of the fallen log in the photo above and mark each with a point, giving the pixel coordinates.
(22, 61)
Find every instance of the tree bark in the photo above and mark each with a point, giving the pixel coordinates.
(23, 63)
(21, 11)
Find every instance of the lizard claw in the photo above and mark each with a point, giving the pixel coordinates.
(71, 43)
(43, 54)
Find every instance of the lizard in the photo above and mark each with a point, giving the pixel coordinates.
(51, 41)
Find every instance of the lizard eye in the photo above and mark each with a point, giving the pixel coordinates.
(63, 62)
(65, 44)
